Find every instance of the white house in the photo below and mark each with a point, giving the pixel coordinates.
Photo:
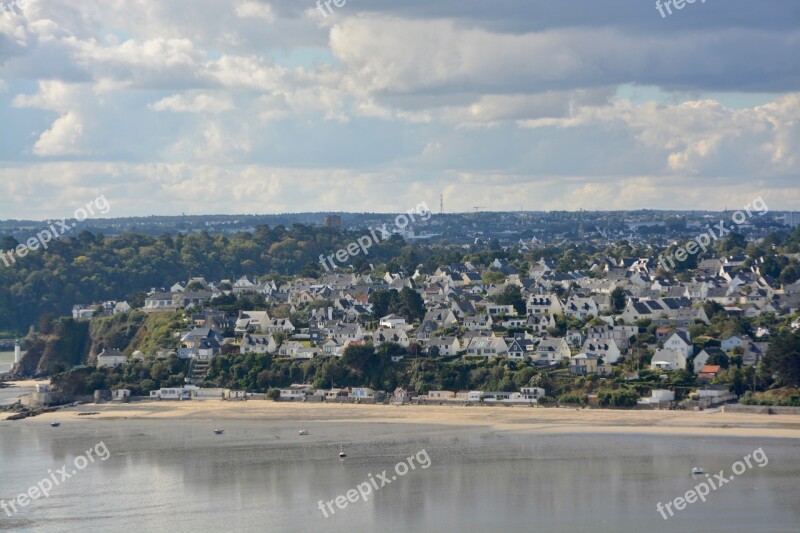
(332, 348)
(498, 309)
(665, 359)
(252, 321)
(289, 348)
(584, 364)
(658, 396)
(178, 393)
(295, 392)
(548, 304)
(478, 323)
(521, 347)
(605, 348)
(487, 346)
(306, 353)
(474, 396)
(580, 308)
(252, 343)
(110, 358)
(552, 350)
(362, 392)
(540, 323)
(121, 395)
(278, 325)
(393, 321)
(391, 335)
(448, 346)
(527, 395)
(679, 341)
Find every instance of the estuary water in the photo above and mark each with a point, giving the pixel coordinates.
(262, 476)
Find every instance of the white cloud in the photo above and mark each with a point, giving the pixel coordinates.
(701, 135)
(62, 138)
(151, 63)
(255, 10)
(65, 135)
(392, 100)
(194, 102)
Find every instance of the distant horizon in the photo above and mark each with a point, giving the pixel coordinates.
(387, 213)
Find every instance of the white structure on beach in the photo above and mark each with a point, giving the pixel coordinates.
(174, 393)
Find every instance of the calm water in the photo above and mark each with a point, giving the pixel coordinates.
(261, 476)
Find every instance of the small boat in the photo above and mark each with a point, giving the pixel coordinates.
(219, 431)
(55, 424)
(697, 471)
(342, 455)
(304, 432)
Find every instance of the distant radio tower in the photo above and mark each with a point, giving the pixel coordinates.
(441, 204)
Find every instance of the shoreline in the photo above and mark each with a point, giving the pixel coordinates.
(522, 419)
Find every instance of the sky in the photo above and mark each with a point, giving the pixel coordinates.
(246, 106)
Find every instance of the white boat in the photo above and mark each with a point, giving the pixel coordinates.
(219, 431)
(55, 424)
(697, 471)
(304, 432)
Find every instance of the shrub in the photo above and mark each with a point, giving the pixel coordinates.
(573, 398)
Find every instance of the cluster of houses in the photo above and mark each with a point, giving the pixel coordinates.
(462, 320)
(401, 395)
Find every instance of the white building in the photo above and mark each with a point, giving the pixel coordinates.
(178, 393)
(110, 358)
(668, 360)
(680, 342)
(658, 396)
(295, 392)
(362, 392)
(392, 322)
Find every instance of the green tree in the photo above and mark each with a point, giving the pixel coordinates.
(491, 277)
(618, 299)
(511, 295)
(783, 359)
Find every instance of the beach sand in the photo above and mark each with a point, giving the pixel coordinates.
(523, 419)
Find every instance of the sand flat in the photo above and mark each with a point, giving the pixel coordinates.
(545, 420)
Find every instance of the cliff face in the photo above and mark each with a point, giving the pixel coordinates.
(55, 351)
(68, 342)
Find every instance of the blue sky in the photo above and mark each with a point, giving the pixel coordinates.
(211, 106)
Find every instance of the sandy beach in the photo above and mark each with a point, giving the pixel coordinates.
(524, 419)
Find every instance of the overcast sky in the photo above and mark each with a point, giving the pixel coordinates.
(214, 106)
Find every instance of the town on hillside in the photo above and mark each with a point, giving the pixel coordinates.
(621, 332)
